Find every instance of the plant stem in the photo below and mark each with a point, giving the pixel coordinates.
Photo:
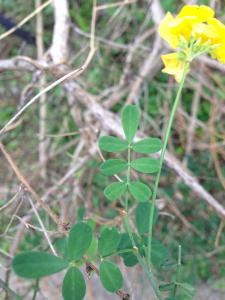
(167, 134)
(128, 228)
(178, 271)
(126, 219)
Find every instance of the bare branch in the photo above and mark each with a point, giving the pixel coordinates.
(25, 20)
(59, 48)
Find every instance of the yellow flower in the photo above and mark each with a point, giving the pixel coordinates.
(206, 33)
(201, 12)
(194, 31)
(173, 65)
(172, 29)
(219, 51)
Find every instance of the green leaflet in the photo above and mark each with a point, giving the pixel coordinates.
(148, 145)
(112, 144)
(80, 237)
(115, 190)
(145, 165)
(130, 121)
(35, 264)
(108, 241)
(113, 166)
(110, 276)
(140, 191)
(74, 287)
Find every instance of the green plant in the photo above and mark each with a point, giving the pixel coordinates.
(84, 246)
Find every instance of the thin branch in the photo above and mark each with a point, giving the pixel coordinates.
(42, 226)
(10, 201)
(121, 3)
(25, 182)
(25, 20)
(47, 89)
(43, 106)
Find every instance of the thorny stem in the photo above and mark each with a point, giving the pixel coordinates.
(167, 134)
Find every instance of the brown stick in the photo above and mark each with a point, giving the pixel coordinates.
(25, 182)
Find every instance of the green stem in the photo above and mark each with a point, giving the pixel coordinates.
(167, 134)
(126, 219)
(178, 271)
(128, 228)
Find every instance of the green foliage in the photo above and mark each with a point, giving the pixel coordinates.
(108, 241)
(92, 250)
(148, 145)
(140, 191)
(126, 247)
(130, 121)
(165, 287)
(115, 190)
(142, 217)
(37, 264)
(145, 165)
(82, 246)
(73, 287)
(159, 253)
(81, 213)
(112, 144)
(110, 276)
(80, 238)
(113, 166)
(185, 291)
(60, 245)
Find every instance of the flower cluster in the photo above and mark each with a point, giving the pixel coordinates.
(192, 32)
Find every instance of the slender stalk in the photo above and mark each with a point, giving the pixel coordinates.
(178, 271)
(128, 228)
(167, 134)
(126, 219)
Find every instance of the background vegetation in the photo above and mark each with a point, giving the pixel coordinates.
(125, 68)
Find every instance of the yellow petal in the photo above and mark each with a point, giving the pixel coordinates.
(171, 29)
(202, 12)
(165, 30)
(205, 32)
(173, 65)
(220, 27)
(218, 52)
